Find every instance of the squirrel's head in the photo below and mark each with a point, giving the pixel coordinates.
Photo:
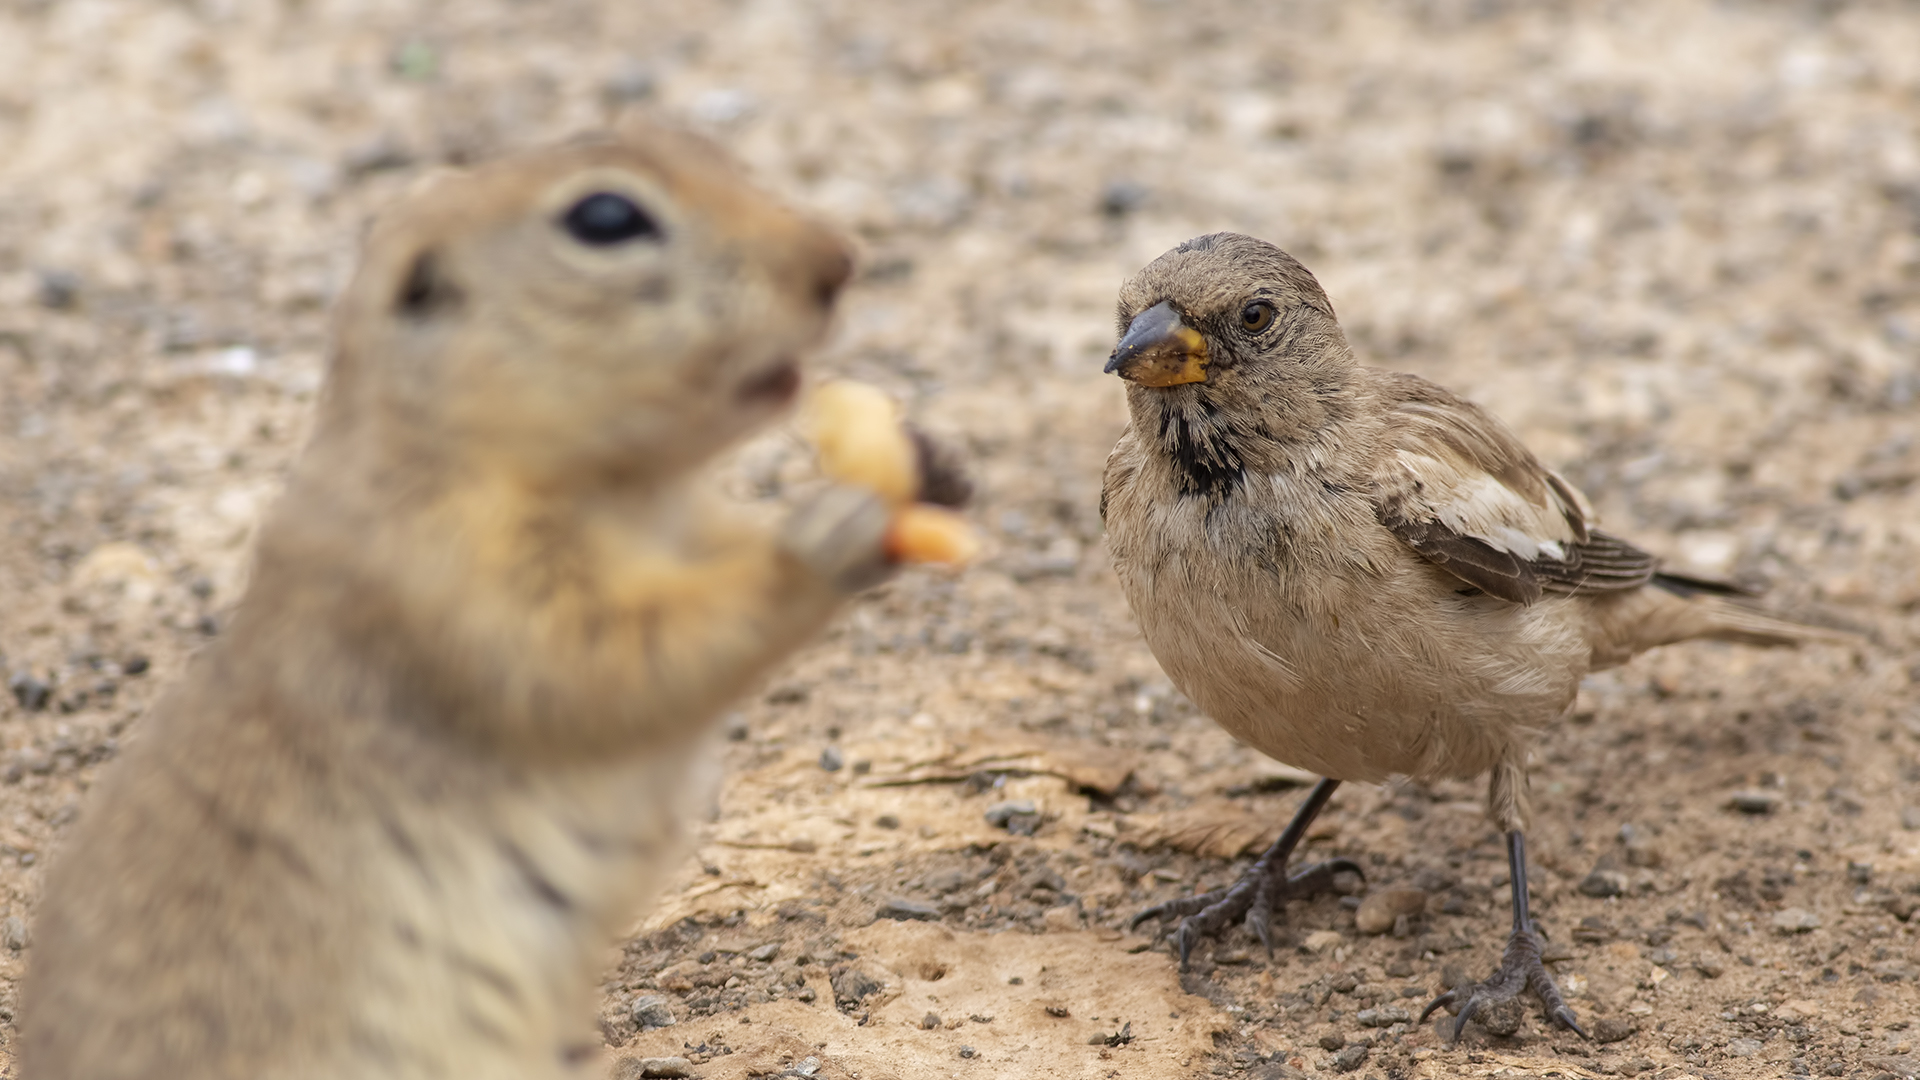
(588, 314)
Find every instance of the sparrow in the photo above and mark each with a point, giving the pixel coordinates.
(1359, 573)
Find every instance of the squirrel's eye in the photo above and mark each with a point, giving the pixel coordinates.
(605, 218)
(1257, 316)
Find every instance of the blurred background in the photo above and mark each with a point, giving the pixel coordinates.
(1676, 246)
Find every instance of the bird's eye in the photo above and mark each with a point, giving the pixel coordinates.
(604, 218)
(1257, 316)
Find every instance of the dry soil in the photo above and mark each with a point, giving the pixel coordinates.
(1676, 245)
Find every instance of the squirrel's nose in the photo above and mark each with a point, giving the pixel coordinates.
(830, 275)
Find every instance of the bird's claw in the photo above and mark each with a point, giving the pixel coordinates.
(1251, 899)
(1521, 968)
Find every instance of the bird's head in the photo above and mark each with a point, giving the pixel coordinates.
(1222, 310)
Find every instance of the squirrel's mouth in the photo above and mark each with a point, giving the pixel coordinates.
(775, 386)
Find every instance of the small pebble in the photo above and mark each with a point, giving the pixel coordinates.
(1709, 965)
(1641, 850)
(1378, 912)
(765, 952)
(665, 1068)
(966, 1051)
(652, 1011)
(887, 821)
(1742, 1048)
(1122, 197)
(1332, 1040)
(1753, 802)
(32, 693)
(831, 759)
(1014, 814)
(1610, 1029)
(930, 1021)
(1601, 884)
(58, 289)
(135, 665)
(1502, 1017)
(806, 1066)
(1350, 1059)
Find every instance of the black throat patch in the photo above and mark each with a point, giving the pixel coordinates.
(1197, 442)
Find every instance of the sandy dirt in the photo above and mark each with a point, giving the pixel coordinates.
(1676, 246)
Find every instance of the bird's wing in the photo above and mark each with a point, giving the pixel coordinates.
(1460, 489)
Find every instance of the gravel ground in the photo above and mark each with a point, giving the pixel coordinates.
(1676, 246)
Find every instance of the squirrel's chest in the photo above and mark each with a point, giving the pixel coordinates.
(501, 910)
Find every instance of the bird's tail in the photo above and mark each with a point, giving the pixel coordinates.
(1680, 607)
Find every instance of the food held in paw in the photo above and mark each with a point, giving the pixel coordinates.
(932, 534)
(856, 430)
(861, 441)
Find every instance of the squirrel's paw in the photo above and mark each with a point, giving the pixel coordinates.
(841, 534)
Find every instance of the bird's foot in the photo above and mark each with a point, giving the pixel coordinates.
(1265, 886)
(1520, 969)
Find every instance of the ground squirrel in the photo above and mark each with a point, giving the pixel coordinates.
(393, 817)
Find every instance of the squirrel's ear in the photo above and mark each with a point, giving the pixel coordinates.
(426, 291)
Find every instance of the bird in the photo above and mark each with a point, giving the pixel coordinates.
(390, 822)
(1359, 573)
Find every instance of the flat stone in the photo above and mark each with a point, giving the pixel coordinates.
(999, 814)
(1321, 940)
(1350, 1059)
(1384, 1016)
(660, 1068)
(902, 909)
(1753, 802)
(1742, 1048)
(1062, 919)
(1795, 920)
(1798, 1011)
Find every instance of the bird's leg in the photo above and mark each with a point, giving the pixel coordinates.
(1520, 968)
(1265, 885)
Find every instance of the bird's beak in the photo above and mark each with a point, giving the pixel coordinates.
(1160, 350)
